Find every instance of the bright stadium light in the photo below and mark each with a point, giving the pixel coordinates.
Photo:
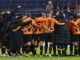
(8, 12)
(19, 6)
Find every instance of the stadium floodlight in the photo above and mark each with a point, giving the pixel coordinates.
(3, 12)
(8, 12)
(19, 6)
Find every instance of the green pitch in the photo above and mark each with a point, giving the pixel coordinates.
(42, 58)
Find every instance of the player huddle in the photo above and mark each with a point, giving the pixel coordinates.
(25, 35)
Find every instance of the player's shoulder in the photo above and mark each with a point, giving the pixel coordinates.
(29, 18)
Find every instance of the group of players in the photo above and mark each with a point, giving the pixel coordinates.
(24, 35)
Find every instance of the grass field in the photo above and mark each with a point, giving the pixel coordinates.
(42, 58)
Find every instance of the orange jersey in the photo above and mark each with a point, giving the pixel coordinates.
(39, 21)
(77, 23)
(28, 29)
(25, 30)
(72, 27)
(49, 23)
